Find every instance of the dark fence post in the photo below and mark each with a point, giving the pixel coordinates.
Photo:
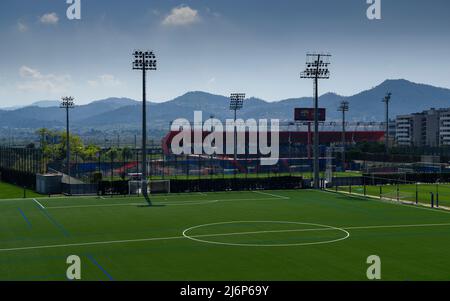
(417, 194)
(437, 195)
(365, 191)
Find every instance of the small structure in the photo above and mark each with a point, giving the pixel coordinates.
(49, 183)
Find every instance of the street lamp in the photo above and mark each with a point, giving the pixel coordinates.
(316, 68)
(144, 60)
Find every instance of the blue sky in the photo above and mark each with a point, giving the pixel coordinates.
(217, 46)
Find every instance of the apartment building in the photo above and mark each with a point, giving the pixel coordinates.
(444, 128)
(428, 128)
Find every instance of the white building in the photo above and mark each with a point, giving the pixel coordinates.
(444, 128)
(428, 128)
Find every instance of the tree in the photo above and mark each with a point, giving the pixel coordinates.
(90, 152)
(53, 144)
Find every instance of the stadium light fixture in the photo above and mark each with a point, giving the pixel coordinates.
(317, 67)
(67, 104)
(344, 107)
(237, 101)
(144, 61)
(236, 104)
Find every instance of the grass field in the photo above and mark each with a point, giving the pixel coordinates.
(8, 191)
(266, 235)
(407, 192)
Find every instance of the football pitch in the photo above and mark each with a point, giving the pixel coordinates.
(260, 235)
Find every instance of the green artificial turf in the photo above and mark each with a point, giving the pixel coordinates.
(8, 191)
(266, 235)
(407, 192)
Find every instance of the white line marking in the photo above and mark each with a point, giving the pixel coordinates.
(159, 196)
(257, 199)
(329, 228)
(187, 203)
(271, 194)
(395, 226)
(181, 203)
(39, 204)
(205, 235)
(91, 243)
(195, 237)
(136, 204)
(88, 206)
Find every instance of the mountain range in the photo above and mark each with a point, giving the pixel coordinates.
(125, 113)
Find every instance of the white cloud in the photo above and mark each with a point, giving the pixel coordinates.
(35, 81)
(107, 80)
(50, 19)
(213, 13)
(27, 72)
(180, 16)
(21, 26)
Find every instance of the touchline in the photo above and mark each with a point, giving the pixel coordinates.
(212, 137)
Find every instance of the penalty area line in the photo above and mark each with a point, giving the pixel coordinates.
(168, 203)
(39, 204)
(271, 194)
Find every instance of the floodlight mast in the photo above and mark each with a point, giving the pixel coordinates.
(316, 68)
(387, 100)
(236, 104)
(67, 104)
(344, 107)
(144, 60)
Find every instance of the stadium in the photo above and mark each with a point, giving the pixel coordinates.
(262, 196)
(226, 213)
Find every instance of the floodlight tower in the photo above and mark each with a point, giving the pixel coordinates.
(316, 68)
(236, 104)
(67, 104)
(387, 100)
(144, 60)
(343, 108)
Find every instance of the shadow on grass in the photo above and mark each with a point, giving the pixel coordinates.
(151, 206)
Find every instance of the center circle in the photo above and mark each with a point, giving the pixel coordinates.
(253, 230)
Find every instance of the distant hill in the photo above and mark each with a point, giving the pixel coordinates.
(36, 116)
(46, 103)
(41, 104)
(124, 113)
(407, 97)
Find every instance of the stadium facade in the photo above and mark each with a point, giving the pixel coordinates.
(294, 143)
